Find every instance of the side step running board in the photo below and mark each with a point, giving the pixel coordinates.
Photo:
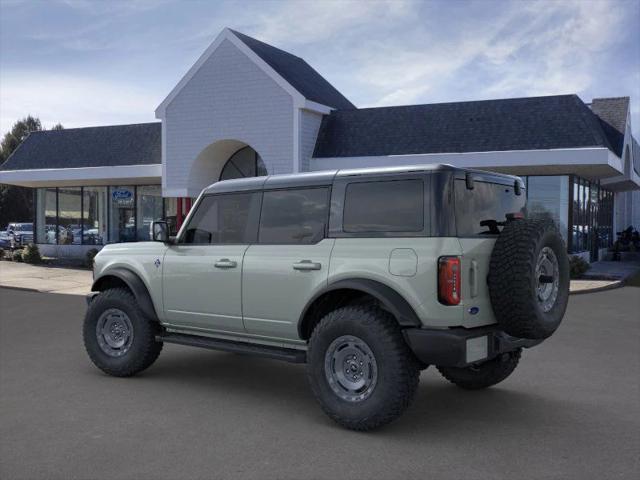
(277, 353)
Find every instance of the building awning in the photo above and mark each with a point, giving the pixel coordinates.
(125, 154)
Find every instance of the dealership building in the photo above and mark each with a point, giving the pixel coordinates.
(246, 108)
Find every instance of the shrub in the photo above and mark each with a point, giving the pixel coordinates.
(16, 256)
(31, 254)
(1, 253)
(577, 266)
(89, 256)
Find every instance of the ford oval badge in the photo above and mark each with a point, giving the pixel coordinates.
(474, 310)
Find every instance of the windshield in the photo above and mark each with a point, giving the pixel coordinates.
(21, 227)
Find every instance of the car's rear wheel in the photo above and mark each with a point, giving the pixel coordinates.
(359, 367)
(119, 339)
(485, 374)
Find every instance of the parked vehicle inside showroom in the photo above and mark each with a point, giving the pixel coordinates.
(367, 276)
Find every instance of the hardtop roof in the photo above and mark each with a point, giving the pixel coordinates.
(327, 177)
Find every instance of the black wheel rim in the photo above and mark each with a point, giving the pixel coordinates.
(547, 279)
(114, 332)
(351, 368)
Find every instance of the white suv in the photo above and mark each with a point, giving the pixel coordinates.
(368, 276)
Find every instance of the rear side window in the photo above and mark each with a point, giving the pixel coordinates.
(294, 216)
(384, 206)
(478, 210)
(228, 218)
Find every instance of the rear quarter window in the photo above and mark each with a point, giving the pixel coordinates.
(475, 209)
(384, 206)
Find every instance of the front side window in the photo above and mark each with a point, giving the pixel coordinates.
(224, 219)
(384, 206)
(294, 216)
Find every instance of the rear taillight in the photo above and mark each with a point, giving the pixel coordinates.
(449, 280)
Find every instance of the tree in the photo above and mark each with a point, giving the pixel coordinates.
(16, 203)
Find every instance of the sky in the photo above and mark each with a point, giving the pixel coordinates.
(86, 63)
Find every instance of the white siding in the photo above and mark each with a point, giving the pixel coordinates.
(229, 97)
(309, 126)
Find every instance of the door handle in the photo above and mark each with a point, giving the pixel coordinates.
(307, 265)
(225, 263)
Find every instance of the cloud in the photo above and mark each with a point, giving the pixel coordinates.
(72, 100)
(376, 52)
(533, 48)
(296, 22)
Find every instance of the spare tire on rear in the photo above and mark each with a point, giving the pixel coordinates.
(529, 278)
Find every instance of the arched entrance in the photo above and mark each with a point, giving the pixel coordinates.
(244, 163)
(223, 160)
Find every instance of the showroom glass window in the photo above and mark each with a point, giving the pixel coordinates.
(548, 197)
(69, 216)
(171, 214)
(94, 215)
(149, 209)
(122, 214)
(295, 216)
(224, 219)
(46, 215)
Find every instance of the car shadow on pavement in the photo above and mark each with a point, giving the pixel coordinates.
(438, 406)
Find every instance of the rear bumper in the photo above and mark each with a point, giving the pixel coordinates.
(461, 347)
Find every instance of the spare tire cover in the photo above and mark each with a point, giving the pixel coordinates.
(529, 278)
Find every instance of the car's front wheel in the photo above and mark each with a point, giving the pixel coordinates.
(360, 369)
(119, 339)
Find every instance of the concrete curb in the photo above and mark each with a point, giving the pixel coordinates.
(26, 289)
(36, 290)
(612, 286)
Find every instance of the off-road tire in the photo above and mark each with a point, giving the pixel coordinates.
(512, 278)
(144, 349)
(397, 369)
(484, 375)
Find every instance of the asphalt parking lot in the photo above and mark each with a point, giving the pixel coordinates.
(571, 409)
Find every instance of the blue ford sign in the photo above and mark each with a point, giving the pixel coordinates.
(121, 194)
(122, 197)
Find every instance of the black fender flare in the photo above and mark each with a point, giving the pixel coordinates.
(135, 284)
(392, 301)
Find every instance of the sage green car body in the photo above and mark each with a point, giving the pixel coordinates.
(262, 298)
(260, 292)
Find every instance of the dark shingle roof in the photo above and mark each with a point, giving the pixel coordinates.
(298, 73)
(562, 121)
(89, 147)
(613, 117)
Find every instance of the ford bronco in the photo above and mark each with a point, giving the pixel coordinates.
(367, 276)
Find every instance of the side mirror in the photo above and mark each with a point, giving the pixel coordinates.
(160, 232)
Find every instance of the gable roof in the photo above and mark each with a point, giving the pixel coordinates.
(612, 113)
(109, 146)
(533, 123)
(292, 73)
(298, 73)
